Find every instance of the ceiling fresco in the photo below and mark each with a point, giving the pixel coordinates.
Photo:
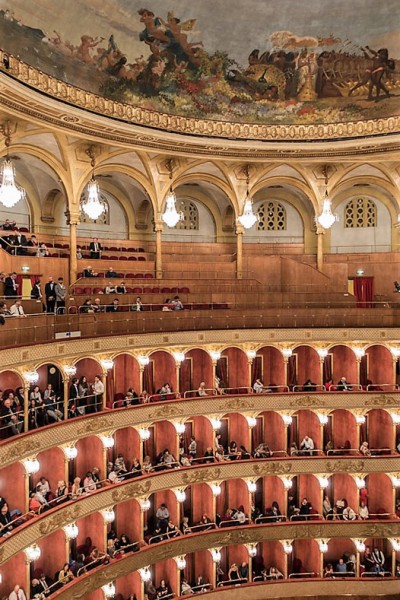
(249, 61)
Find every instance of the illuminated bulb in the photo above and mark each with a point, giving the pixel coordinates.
(145, 574)
(216, 424)
(143, 360)
(360, 546)
(180, 562)
(216, 489)
(31, 465)
(93, 206)
(251, 421)
(215, 354)
(70, 452)
(360, 482)
(287, 548)
(322, 352)
(216, 555)
(251, 354)
(32, 553)
(70, 370)
(395, 418)
(171, 216)
(395, 544)
(287, 483)
(144, 434)
(71, 531)
(179, 356)
(31, 377)
(323, 546)
(107, 441)
(287, 352)
(145, 504)
(252, 486)
(395, 481)
(109, 590)
(10, 192)
(180, 495)
(287, 419)
(395, 352)
(323, 419)
(323, 482)
(107, 364)
(180, 427)
(108, 515)
(359, 352)
(360, 419)
(252, 549)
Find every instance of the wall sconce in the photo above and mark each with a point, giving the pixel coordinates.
(31, 377)
(360, 482)
(287, 419)
(395, 544)
(179, 357)
(31, 465)
(360, 546)
(180, 562)
(359, 352)
(215, 354)
(107, 441)
(143, 360)
(251, 549)
(108, 515)
(145, 574)
(144, 434)
(287, 547)
(145, 504)
(216, 554)
(25, 268)
(71, 531)
(323, 546)
(32, 553)
(322, 352)
(360, 419)
(70, 452)
(323, 419)
(395, 481)
(215, 424)
(251, 421)
(107, 364)
(69, 370)
(395, 418)
(215, 488)
(109, 590)
(395, 352)
(287, 352)
(251, 354)
(251, 486)
(180, 427)
(323, 482)
(287, 483)
(180, 495)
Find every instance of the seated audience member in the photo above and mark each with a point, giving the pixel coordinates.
(378, 559)
(167, 305)
(110, 288)
(326, 506)
(33, 243)
(363, 512)
(341, 567)
(65, 575)
(147, 466)
(208, 455)
(88, 272)
(220, 454)
(329, 385)
(9, 225)
(185, 588)
(111, 274)
(328, 570)
(79, 253)
(162, 516)
(4, 310)
(185, 528)
(233, 573)
(397, 286)
(307, 446)
(17, 594)
(97, 306)
(343, 385)
(76, 489)
(88, 484)
(258, 387)
(42, 251)
(6, 525)
(309, 386)
(244, 570)
(163, 589)
(244, 453)
(348, 514)
(172, 531)
(274, 573)
(61, 493)
(262, 451)
(16, 310)
(233, 450)
(176, 303)
(201, 390)
(86, 307)
(20, 244)
(137, 306)
(121, 288)
(10, 421)
(364, 449)
(114, 306)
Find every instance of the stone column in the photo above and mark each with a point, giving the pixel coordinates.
(158, 228)
(320, 247)
(72, 220)
(239, 251)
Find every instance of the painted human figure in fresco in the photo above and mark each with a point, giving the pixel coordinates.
(374, 74)
(84, 50)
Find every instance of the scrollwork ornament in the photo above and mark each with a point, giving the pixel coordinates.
(95, 425)
(133, 490)
(307, 402)
(19, 450)
(344, 466)
(59, 519)
(165, 412)
(203, 475)
(272, 468)
(383, 400)
(237, 404)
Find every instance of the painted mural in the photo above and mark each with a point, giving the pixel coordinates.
(254, 61)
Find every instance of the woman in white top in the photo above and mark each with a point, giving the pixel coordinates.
(36, 395)
(363, 512)
(110, 288)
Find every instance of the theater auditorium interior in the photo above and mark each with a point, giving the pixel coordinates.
(235, 163)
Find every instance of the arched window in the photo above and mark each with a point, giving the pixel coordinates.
(272, 216)
(190, 215)
(104, 218)
(360, 212)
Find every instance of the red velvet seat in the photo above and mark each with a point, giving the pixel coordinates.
(149, 276)
(132, 258)
(113, 257)
(123, 258)
(97, 290)
(142, 258)
(139, 276)
(104, 257)
(137, 290)
(130, 276)
(73, 310)
(165, 290)
(57, 245)
(100, 275)
(147, 290)
(184, 290)
(155, 290)
(78, 291)
(87, 291)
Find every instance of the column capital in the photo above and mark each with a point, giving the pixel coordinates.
(73, 217)
(319, 230)
(158, 226)
(239, 229)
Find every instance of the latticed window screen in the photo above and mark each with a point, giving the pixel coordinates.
(272, 216)
(104, 218)
(190, 215)
(360, 212)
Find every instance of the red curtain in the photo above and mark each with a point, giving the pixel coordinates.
(257, 433)
(364, 291)
(148, 380)
(221, 369)
(185, 376)
(364, 371)
(327, 368)
(292, 372)
(110, 388)
(256, 369)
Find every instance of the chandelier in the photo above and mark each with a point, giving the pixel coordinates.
(247, 218)
(92, 204)
(171, 216)
(10, 192)
(326, 219)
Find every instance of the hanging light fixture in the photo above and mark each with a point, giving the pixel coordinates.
(326, 219)
(247, 218)
(10, 192)
(170, 216)
(92, 204)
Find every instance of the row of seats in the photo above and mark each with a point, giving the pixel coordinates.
(124, 275)
(79, 291)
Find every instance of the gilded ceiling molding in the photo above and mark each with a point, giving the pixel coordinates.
(244, 535)
(75, 349)
(51, 521)
(140, 416)
(177, 134)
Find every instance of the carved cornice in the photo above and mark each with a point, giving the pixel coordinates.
(20, 84)
(193, 543)
(53, 520)
(140, 416)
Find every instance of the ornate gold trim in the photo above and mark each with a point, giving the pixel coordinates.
(49, 522)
